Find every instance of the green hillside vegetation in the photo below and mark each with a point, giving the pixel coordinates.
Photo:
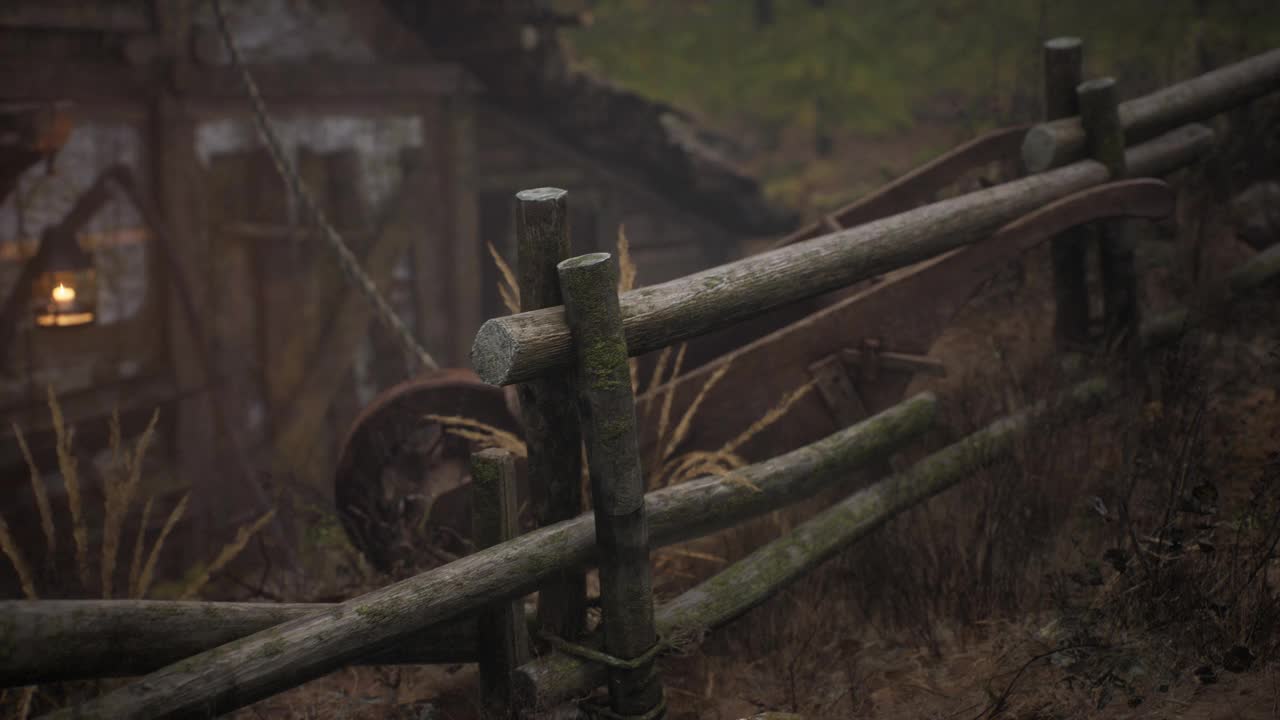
(801, 81)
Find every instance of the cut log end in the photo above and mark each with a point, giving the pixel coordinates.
(584, 261)
(541, 195)
(493, 353)
(1039, 149)
(1063, 44)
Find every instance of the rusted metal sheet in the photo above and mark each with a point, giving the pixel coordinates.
(921, 185)
(904, 314)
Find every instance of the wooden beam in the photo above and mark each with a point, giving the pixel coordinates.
(1059, 142)
(607, 409)
(555, 677)
(548, 409)
(246, 670)
(118, 17)
(285, 85)
(69, 640)
(518, 347)
(313, 361)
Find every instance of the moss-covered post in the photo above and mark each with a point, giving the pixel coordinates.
(607, 409)
(1063, 62)
(546, 403)
(1100, 114)
(502, 637)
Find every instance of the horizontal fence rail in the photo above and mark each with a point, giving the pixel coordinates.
(1062, 141)
(280, 657)
(65, 640)
(520, 347)
(556, 677)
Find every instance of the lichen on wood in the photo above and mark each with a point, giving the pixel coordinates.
(1062, 141)
(555, 677)
(526, 345)
(606, 405)
(236, 674)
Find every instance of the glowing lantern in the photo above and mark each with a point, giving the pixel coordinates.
(65, 293)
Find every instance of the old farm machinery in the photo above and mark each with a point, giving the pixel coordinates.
(859, 348)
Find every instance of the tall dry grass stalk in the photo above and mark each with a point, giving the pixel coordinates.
(121, 484)
(41, 494)
(135, 564)
(487, 436)
(508, 287)
(149, 570)
(67, 465)
(14, 553)
(228, 553)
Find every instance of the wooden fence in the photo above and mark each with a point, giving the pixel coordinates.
(573, 347)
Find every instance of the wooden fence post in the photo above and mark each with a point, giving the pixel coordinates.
(606, 405)
(547, 406)
(501, 633)
(1100, 115)
(551, 428)
(1063, 61)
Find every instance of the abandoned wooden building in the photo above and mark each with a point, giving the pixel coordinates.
(127, 139)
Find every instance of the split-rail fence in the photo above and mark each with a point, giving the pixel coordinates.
(571, 351)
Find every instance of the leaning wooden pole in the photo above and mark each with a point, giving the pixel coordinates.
(551, 429)
(1063, 68)
(275, 659)
(523, 346)
(502, 636)
(1099, 111)
(557, 677)
(1063, 141)
(607, 407)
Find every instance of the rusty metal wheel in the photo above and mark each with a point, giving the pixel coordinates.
(402, 483)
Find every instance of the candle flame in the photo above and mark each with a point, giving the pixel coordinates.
(63, 294)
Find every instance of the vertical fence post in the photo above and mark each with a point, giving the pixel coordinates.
(502, 636)
(606, 405)
(547, 403)
(1063, 63)
(1100, 116)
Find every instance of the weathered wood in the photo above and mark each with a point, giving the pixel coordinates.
(1063, 72)
(778, 363)
(502, 634)
(254, 667)
(465, 258)
(551, 429)
(66, 640)
(555, 677)
(314, 359)
(310, 86)
(76, 16)
(1062, 141)
(607, 409)
(1099, 112)
(518, 347)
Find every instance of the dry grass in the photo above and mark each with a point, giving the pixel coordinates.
(122, 480)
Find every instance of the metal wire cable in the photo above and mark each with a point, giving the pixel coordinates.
(346, 259)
